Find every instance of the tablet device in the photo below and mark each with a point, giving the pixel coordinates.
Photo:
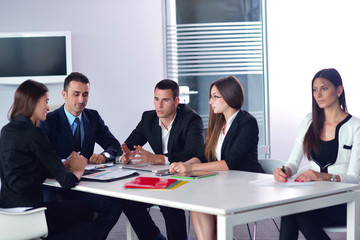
(194, 175)
(155, 168)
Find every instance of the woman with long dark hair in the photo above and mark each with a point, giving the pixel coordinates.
(27, 158)
(329, 138)
(231, 143)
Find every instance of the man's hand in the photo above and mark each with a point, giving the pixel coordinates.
(143, 156)
(97, 159)
(127, 154)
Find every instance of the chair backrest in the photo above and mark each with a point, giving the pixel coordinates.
(336, 229)
(269, 165)
(23, 225)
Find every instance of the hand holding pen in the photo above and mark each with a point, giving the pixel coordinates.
(281, 174)
(73, 153)
(67, 161)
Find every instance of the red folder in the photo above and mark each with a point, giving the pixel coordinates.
(153, 183)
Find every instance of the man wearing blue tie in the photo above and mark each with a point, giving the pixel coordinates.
(74, 129)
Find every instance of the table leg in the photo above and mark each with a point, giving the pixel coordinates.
(353, 219)
(224, 228)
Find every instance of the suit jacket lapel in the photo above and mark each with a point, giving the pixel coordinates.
(65, 128)
(231, 132)
(86, 125)
(156, 131)
(174, 130)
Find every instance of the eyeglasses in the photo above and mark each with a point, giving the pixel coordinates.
(214, 98)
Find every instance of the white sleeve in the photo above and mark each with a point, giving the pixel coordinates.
(297, 153)
(353, 172)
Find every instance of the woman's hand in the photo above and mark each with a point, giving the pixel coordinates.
(78, 164)
(180, 167)
(280, 176)
(310, 175)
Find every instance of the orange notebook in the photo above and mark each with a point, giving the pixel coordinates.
(154, 183)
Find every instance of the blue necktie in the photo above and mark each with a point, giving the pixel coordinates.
(77, 136)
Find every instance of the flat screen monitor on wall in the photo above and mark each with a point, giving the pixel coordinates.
(41, 56)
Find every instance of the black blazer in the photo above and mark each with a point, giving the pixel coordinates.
(186, 135)
(27, 158)
(59, 132)
(239, 149)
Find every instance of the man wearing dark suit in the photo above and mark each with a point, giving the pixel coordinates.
(69, 135)
(175, 133)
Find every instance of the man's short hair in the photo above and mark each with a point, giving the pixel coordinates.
(75, 76)
(169, 84)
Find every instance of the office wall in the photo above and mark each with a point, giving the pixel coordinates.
(304, 37)
(116, 43)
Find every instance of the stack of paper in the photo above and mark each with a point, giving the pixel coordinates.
(154, 183)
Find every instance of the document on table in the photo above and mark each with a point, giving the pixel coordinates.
(270, 181)
(100, 175)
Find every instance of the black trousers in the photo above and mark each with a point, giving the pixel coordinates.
(70, 220)
(311, 223)
(144, 226)
(109, 209)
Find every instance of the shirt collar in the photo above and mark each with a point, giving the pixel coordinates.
(231, 120)
(170, 125)
(70, 117)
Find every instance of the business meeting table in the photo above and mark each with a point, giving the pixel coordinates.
(237, 197)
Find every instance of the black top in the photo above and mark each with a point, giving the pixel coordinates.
(185, 139)
(239, 149)
(328, 150)
(26, 159)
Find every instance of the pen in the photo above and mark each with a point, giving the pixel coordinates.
(76, 154)
(283, 169)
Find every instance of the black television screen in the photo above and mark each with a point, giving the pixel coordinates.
(40, 56)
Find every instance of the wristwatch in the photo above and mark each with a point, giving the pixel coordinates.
(333, 178)
(106, 155)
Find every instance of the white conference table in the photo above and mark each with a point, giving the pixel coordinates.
(236, 201)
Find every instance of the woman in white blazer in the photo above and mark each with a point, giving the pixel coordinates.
(329, 138)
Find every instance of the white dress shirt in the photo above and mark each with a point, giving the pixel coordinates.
(165, 133)
(223, 135)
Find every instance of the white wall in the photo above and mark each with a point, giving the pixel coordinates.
(116, 43)
(304, 37)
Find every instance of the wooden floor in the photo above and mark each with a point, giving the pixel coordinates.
(266, 230)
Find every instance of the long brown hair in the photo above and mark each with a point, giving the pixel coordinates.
(26, 98)
(233, 94)
(312, 136)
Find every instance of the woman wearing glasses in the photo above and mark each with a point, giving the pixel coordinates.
(231, 143)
